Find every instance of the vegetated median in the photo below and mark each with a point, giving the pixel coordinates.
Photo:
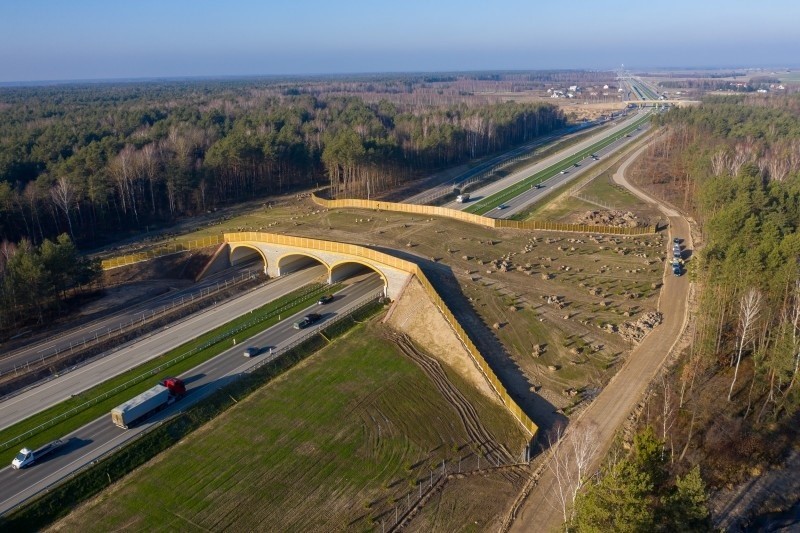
(518, 162)
(485, 205)
(611, 162)
(82, 408)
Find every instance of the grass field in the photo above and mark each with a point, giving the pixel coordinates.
(600, 194)
(330, 445)
(790, 77)
(84, 413)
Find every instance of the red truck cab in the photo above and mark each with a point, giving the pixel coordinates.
(176, 387)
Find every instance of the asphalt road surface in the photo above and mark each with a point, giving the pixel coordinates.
(39, 398)
(531, 196)
(547, 162)
(101, 436)
(609, 410)
(446, 188)
(63, 341)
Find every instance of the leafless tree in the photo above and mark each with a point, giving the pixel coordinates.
(667, 413)
(573, 451)
(744, 153)
(749, 308)
(778, 166)
(794, 319)
(63, 195)
(720, 162)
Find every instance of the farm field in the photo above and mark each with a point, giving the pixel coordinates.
(333, 444)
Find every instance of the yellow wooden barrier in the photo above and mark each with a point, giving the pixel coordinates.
(431, 210)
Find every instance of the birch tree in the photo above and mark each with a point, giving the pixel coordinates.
(63, 195)
(749, 308)
(572, 454)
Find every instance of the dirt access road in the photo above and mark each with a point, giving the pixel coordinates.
(539, 512)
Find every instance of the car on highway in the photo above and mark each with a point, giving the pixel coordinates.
(563, 172)
(576, 165)
(252, 351)
(326, 299)
(501, 207)
(539, 186)
(306, 321)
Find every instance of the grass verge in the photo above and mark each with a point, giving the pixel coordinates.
(84, 407)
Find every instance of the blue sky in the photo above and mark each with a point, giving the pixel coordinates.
(87, 39)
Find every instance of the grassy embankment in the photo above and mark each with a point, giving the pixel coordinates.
(330, 445)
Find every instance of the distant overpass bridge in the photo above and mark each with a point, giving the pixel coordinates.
(661, 103)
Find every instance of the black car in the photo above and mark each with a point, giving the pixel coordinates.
(306, 321)
(326, 299)
(252, 351)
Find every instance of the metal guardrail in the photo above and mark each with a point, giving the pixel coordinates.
(129, 259)
(345, 313)
(43, 359)
(138, 379)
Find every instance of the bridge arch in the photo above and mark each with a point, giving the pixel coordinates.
(344, 269)
(296, 260)
(242, 253)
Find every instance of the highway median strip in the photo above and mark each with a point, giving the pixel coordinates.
(62, 418)
(485, 205)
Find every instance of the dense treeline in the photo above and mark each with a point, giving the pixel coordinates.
(721, 85)
(743, 162)
(36, 281)
(94, 160)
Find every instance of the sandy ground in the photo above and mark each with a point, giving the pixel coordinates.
(415, 315)
(472, 503)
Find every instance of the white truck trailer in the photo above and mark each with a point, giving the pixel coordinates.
(151, 400)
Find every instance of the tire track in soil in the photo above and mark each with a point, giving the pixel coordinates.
(475, 429)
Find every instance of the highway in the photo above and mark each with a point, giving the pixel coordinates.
(516, 205)
(39, 398)
(62, 342)
(447, 188)
(524, 200)
(101, 436)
